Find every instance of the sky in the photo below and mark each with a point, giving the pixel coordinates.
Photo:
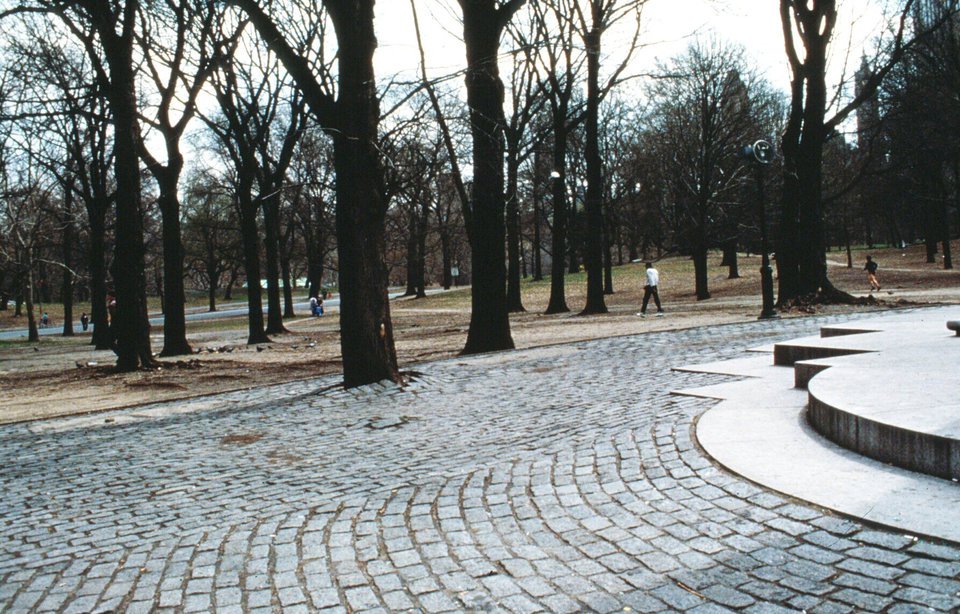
(669, 24)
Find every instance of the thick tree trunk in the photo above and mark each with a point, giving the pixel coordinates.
(132, 325)
(593, 246)
(251, 261)
(174, 297)
(489, 317)
(366, 339)
(271, 241)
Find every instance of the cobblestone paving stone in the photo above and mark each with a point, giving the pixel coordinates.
(560, 479)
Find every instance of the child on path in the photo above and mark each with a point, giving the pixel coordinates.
(871, 269)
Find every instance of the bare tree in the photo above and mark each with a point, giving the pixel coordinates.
(484, 22)
(352, 119)
(177, 42)
(706, 108)
(604, 14)
(210, 223)
(560, 63)
(808, 29)
(106, 30)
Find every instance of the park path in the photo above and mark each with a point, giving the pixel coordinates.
(560, 479)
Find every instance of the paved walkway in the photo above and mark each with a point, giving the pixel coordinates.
(559, 479)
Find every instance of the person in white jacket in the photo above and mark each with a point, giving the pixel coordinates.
(653, 280)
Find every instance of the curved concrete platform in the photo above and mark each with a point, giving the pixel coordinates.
(892, 388)
(892, 413)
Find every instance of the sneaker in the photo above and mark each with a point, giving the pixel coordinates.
(641, 314)
(659, 314)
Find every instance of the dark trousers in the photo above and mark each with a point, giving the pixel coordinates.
(647, 292)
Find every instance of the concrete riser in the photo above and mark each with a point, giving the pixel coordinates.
(836, 331)
(786, 355)
(922, 452)
(804, 372)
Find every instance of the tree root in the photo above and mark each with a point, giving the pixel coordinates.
(827, 295)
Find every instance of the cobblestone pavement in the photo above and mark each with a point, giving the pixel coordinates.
(560, 479)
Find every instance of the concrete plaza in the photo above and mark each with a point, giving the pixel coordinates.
(561, 479)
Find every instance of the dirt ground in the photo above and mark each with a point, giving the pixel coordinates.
(64, 376)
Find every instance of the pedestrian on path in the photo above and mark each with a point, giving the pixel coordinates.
(650, 289)
(84, 320)
(313, 305)
(871, 269)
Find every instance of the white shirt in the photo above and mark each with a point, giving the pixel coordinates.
(653, 277)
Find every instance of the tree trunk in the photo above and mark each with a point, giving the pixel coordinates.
(412, 245)
(271, 241)
(288, 311)
(132, 325)
(447, 257)
(537, 246)
(212, 276)
(846, 239)
(593, 245)
(945, 234)
(366, 340)
(700, 269)
(422, 251)
(607, 259)
(731, 259)
(66, 291)
(101, 337)
(251, 261)
(33, 335)
(514, 299)
(174, 297)
(558, 185)
(489, 317)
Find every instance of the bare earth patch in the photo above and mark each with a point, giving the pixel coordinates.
(64, 376)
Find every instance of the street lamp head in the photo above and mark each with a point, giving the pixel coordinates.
(760, 152)
(554, 174)
(763, 152)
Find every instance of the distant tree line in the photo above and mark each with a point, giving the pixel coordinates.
(183, 145)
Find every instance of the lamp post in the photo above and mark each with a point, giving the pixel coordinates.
(761, 155)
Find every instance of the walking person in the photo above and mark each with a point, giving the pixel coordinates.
(871, 269)
(313, 305)
(84, 320)
(650, 289)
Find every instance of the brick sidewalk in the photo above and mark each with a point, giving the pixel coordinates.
(557, 479)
